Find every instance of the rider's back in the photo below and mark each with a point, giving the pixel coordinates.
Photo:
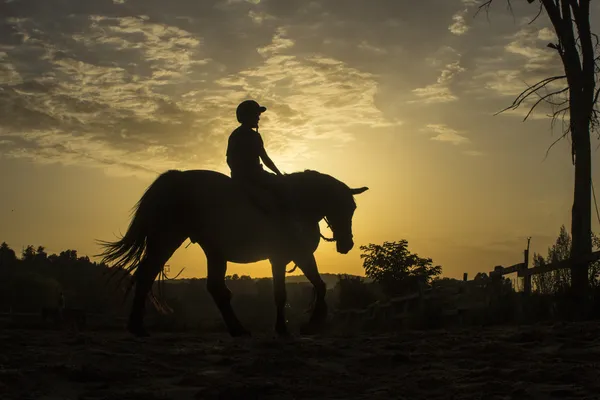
(243, 152)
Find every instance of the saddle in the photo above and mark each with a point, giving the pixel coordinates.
(271, 199)
(276, 201)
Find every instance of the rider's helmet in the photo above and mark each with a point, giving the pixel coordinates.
(248, 109)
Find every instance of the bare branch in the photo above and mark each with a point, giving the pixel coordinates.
(552, 103)
(595, 36)
(487, 6)
(529, 91)
(553, 143)
(554, 14)
(556, 114)
(575, 6)
(582, 13)
(596, 95)
(565, 131)
(542, 98)
(537, 15)
(509, 7)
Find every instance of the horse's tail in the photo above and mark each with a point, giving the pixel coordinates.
(127, 253)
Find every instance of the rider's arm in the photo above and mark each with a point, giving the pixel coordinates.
(260, 146)
(267, 161)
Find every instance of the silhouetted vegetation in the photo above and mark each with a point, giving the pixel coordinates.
(396, 269)
(559, 281)
(353, 292)
(33, 282)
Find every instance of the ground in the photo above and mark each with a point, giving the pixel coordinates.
(534, 362)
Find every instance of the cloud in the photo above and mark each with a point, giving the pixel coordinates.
(156, 89)
(440, 91)
(136, 74)
(369, 48)
(312, 100)
(474, 153)
(526, 43)
(509, 65)
(259, 17)
(459, 26)
(447, 134)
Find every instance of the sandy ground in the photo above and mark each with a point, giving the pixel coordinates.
(537, 362)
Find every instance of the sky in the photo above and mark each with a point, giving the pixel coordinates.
(99, 97)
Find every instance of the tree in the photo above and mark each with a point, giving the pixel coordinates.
(554, 281)
(28, 253)
(41, 254)
(395, 268)
(557, 281)
(8, 256)
(576, 49)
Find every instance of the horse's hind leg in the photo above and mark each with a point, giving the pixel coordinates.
(215, 284)
(278, 269)
(158, 253)
(308, 265)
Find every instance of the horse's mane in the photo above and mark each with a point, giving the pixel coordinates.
(306, 171)
(321, 178)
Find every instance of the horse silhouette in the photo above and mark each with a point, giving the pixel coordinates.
(216, 212)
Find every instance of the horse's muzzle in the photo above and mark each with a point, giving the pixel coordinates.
(344, 246)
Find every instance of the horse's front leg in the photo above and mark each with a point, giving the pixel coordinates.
(215, 282)
(278, 270)
(308, 265)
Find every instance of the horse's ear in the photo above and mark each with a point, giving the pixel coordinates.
(359, 190)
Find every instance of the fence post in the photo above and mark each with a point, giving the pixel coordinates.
(465, 275)
(526, 278)
(496, 278)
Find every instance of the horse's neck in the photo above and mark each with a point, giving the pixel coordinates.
(309, 197)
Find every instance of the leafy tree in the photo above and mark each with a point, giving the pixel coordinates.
(28, 254)
(577, 97)
(555, 281)
(396, 269)
(8, 256)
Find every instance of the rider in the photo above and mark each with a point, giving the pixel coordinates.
(245, 149)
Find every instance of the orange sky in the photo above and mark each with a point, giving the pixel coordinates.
(98, 99)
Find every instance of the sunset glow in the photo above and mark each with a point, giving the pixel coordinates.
(96, 100)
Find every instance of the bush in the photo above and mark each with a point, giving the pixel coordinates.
(352, 292)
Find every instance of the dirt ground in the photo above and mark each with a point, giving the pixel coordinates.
(536, 362)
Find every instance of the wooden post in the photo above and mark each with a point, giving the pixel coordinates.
(465, 276)
(495, 284)
(526, 278)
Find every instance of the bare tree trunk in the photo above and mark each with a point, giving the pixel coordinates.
(571, 23)
(575, 46)
(582, 101)
(581, 214)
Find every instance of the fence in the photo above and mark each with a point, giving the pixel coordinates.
(458, 300)
(455, 299)
(523, 271)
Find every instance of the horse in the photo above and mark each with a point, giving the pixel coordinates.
(223, 218)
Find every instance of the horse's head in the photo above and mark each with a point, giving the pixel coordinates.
(339, 215)
(331, 199)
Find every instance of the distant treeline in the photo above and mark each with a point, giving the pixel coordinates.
(36, 280)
